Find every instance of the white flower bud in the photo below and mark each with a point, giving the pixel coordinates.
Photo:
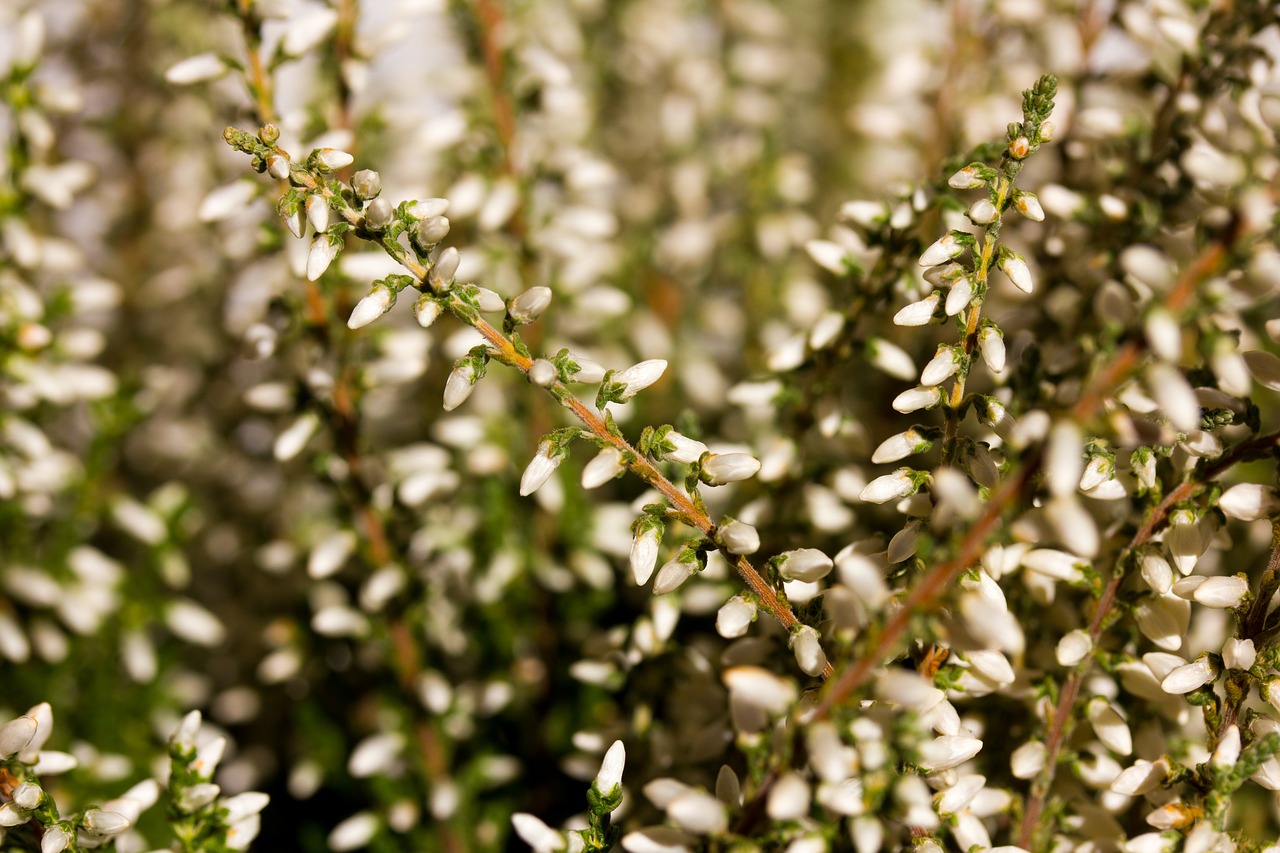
(1228, 751)
(366, 184)
(1074, 647)
(317, 212)
(959, 296)
(940, 368)
(588, 371)
(459, 385)
(540, 469)
(378, 214)
(914, 399)
(760, 688)
(1174, 395)
(1020, 148)
(278, 168)
(738, 537)
(377, 302)
(1142, 777)
(429, 232)
(1188, 677)
(735, 617)
(721, 468)
(55, 839)
(889, 487)
(426, 310)
(1221, 592)
(891, 358)
(946, 752)
(1064, 458)
(981, 212)
(943, 249)
(445, 268)
(966, 179)
(12, 815)
(1163, 333)
(16, 734)
(291, 442)
(296, 222)
(354, 832)
(697, 812)
(1249, 502)
(1109, 726)
(196, 69)
(610, 775)
(99, 822)
(644, 554)
(528, 306)
(899, 446)
(1239, 654)
(789, 799)
(991, 345)
(1029, 206)
(1015, 268)
(332, 159)
(673, 575)
(640, 376)
(918, 313)
(808, 650)
(606, 465)
(324, 248)
(1029, 759)
(805, 564)
(687, 450)
(489, 301)
(27, 795)
(244, 805)
(375, 754)
(542, 373)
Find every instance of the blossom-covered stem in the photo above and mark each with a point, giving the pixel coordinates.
(1059, 724)
(503, 350)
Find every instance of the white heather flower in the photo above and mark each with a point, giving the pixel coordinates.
(378, 214)
(16, 734)
(27, 795)
(1015, 268)
(672, 575)
(1184, 541)
(959, 296)
(542, 373)
(966, 179)
(366, 184)
(100, 822)
(899, 446)
(738, 537)
(1221, 592)
(1142, 777)
(789, 798)
(375, 754)
(735, 617)
(687, 450)
(1109, 726)
(377, 302)
(1228, 750)
(644, 554)
(427, 208)
(332, 159)
(918, 313)
(1074, 647)
(1174, 395)
(489, 301)
(1188, 677)
(1249, 502)
(324, 248)
(981, 212)
(940, 368)
(429, 232)
(698, 812)
(914, 399)
(426, 310)
(539, 469)
(528, 306)
(226, 201)
(317, 212)
(943, 249)
(55, 839)
(606, 465)
(991, 345)
(196, 69)
(1239, 654)
(354, 832)
(904, 543)
(445, 268)
(721, 468)
(640, 376)
(808, 650)
(891, 359)
(945, 752)
(1064, 458)
(244, 805)
(1029, 759)
(1164, 334)
(1029, 206)
(889, 487)
(610, 775)
(805, 564)
(459, 385)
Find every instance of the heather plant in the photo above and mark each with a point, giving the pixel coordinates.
(654, 425)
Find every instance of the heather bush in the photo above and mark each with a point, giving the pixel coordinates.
(655, 425)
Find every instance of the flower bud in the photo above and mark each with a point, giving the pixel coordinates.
(16, 734)
(604, 467)
(429, 232)
(445, 268)
(1015, 268)
(940, 368)
(721, 468)
(542, 373)
(687, 450)
(610, 775)
(378, 214)
(942, 250)
(366, 184)
(738, 537)
(673, 575)
(324, 248)
(28, 795)
(805, 564)
(918, 313)
(377, 302)
(808, 650)
(959, 296)
(1249, 502)
(55, 839)
(966, 179)
(540, 468)
(899, 484)
(991, 345)
(982, 212)
(99, 822)
(317, 212)
(1189, 677)
(1029, 206)
(331, 159)
(1020, 148)
(640, 376)
(459, 385)
(528, 306)
(1239, 654)
(278, 167)
(735, 617)
(426, 310)
(644, 553)
(917, 398)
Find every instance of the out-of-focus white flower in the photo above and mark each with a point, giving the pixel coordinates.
(354, 832)
(535, 833)
(698, 812)
(918, 313)
(1109, 726)
(1074, 647)
(808, 650)
(735, 617)
(946, 752)
(1029, 759)
(196, 69)
(789, 798)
